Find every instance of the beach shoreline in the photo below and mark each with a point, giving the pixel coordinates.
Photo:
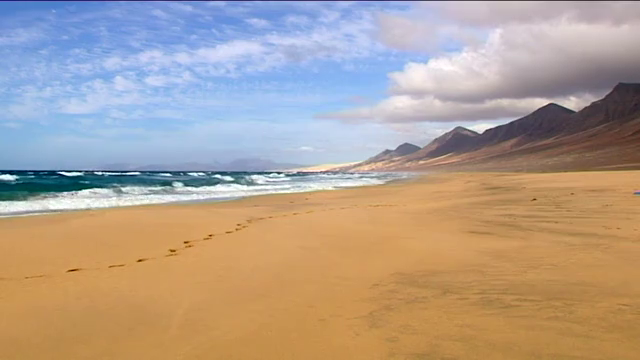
(404, 177)
(46, 192)
(464, 265)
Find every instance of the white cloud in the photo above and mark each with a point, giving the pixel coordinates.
(520, 61)
(258, 23)
(404, 108)
(180, 6)
(482, 127)
(533, 53)
(306, 148)
(405, 33)
(28, 110)
(494, 13)
(297, 20)
(122, 84)
(161, 14)
(165, 80)
(98, 94)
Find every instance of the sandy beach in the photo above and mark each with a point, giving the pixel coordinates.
(447, 266)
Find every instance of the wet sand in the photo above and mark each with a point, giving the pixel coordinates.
(455, 266)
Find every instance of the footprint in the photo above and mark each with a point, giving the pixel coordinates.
(33, 276)
(186, 242)
(116, 266)
(228, 232)
(142, 260)
(73, 270)
(172, 254)
(172, 250)
(188, 246)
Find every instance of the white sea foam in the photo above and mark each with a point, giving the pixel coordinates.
(265, 179)
(165, 174)
(71, 173)
(178, 192)
(223, 177)
(8, 177)
(108, 173)
(196, 174)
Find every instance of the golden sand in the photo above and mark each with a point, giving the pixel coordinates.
(458, 266)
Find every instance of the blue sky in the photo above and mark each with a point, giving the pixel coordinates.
(91, 83)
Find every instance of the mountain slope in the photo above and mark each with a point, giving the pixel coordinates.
(452, 141)
(604, 134)
(386, 155)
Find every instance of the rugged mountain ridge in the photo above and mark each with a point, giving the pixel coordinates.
(446, 143)
(386, 155)
(607, 132)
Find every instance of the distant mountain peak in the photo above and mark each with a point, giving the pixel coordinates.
(553, 109)
(463, 130)
(401, 150)
(625, 89)
(405, 149)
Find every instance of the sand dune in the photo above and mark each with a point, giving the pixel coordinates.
(455, 266)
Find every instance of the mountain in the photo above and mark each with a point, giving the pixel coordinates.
(546, 122)
(189, 166)
(386, 155)
(605, 134)
(452, 141)
(619, 105)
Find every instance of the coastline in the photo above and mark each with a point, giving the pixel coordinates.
(217, 188)
(465, 265)
(209, 200)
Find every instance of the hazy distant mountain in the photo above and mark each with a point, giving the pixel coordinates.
(402, 150)
(189, 166)
(386, 155)
(250, 164)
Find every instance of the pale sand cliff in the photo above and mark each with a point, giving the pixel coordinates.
(459, 266)
(323, 167)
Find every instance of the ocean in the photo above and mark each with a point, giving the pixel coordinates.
(38, 192)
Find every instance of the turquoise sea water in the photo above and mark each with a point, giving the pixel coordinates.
(32, 192)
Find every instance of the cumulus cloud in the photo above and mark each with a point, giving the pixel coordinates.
(521, 61)
(533, 53)
(404, 33)
(495, 13)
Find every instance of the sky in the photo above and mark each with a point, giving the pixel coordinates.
(91, 83)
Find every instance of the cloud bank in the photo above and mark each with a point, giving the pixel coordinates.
(532, 53)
